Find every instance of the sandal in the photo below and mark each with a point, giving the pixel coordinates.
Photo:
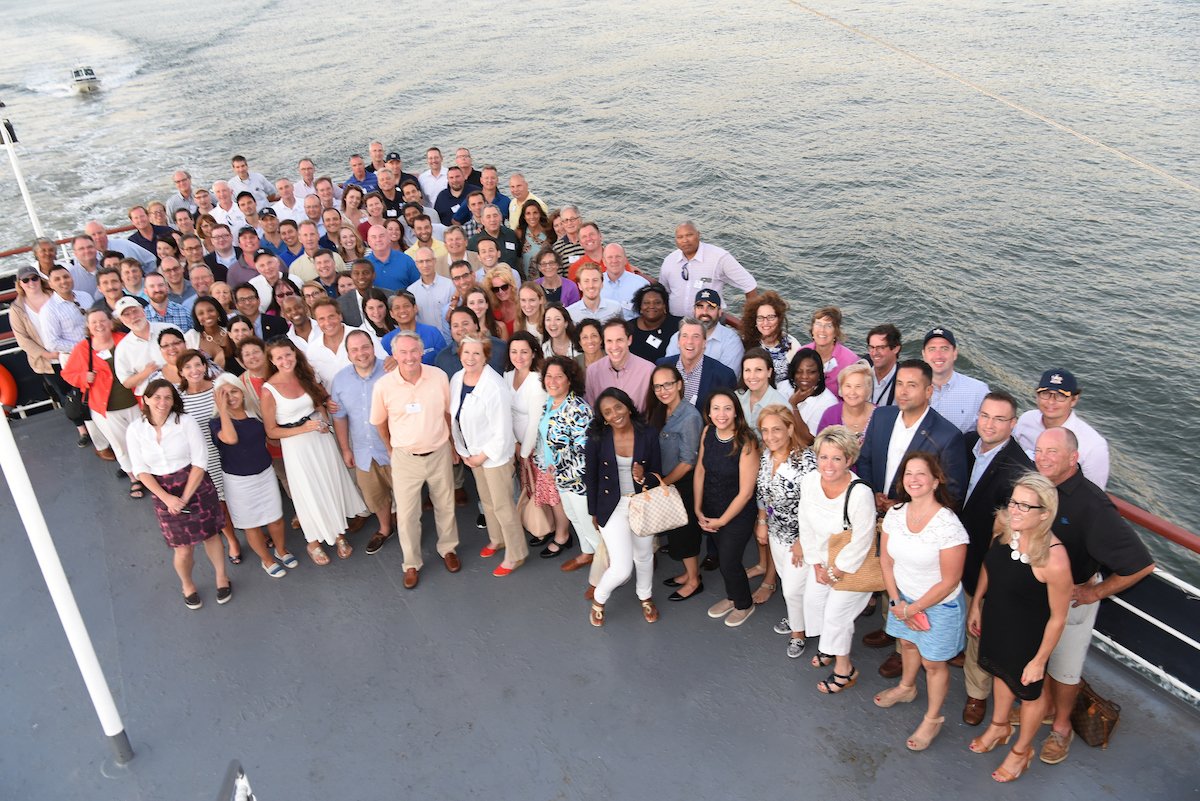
(759, 597)
(235, 559)
(1001, 775)
(837, 682)
(896, 695)
(137, 489)
(317, 554)
(343, 547)
(918, 743)
(649, 611)
(982, 745)
(756, 571)
(596, 616)
(822, 660)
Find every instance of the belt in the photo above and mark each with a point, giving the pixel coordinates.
(294, 423)
(423, 455)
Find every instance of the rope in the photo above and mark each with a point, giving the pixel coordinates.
(999, 98)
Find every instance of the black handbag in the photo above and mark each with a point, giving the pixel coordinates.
(75, 403)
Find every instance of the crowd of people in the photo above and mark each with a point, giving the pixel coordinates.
(392, 343)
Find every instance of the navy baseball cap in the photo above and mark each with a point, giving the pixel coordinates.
(941, 333)
(709, 296)
(1058, 380)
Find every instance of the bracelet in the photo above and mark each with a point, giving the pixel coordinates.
(891, 604)
(832, 577)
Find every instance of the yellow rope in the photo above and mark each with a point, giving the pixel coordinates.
(1011, 104)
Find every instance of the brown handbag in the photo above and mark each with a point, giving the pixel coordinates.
(869, 576)
(1093, 717)
(533, 519)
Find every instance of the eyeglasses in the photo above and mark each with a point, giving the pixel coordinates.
(666, 386)
(1024, 507)
(569, 219)
(767, 318)
(993, 418)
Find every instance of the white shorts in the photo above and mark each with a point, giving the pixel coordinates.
(1066, 662)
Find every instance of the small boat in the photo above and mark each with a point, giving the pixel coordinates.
(84, 80)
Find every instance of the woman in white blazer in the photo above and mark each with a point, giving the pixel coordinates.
(486, 445)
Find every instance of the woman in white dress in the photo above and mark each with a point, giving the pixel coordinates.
(294, 412)
(528, 400)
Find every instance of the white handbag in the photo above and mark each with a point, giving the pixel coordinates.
(653, 511)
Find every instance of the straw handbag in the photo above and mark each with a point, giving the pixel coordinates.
(869, 576)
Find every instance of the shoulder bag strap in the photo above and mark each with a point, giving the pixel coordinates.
(846, 507)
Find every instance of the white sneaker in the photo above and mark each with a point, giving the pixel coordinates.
(783, 627)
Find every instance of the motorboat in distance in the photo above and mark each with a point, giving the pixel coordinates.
(84, 80)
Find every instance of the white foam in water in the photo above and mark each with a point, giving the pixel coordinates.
(110, 56)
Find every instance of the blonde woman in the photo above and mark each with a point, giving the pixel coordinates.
(854, 410)
(1026, 578)
(829, 497)
(531, 309)
(501, 289)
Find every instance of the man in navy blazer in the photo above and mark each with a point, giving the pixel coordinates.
(701, 374)
(916, 426)
(912, 426)
(995, 460)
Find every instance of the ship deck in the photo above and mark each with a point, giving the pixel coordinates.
(337, 683)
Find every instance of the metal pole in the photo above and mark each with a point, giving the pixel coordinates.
(60, 592)
(12, 156)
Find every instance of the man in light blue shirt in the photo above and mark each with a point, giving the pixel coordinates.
(619, 284)
(126, 248)
(956, 397)
(359, 441)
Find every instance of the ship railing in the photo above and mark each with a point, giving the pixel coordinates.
(10, 262)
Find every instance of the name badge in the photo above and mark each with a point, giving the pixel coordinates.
(627, 305)
(574, 259)
(694, 399)
(455, 207)
(413, 408)
(510, 246)
(653, 341)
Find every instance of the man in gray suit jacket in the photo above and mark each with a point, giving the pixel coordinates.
(362, 273)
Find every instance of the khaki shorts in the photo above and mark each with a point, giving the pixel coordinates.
(1066, 662)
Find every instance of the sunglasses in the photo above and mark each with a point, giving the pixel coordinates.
(501, 288)
(30, 279)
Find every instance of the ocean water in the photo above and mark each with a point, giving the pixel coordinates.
(838, 170)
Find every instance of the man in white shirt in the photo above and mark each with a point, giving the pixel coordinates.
(883, 346)
(1057, 396)
(432, 293)
(697, 265)
(253, 182)
(329, 193)
(620, 285)
(289, 206)
(432, 180)
(225, 211)
(327, 351)
(308, 175)
(137, 355)
(723, 343)
(63, 323)
(269, 274)
(591, 303)
(955, 396)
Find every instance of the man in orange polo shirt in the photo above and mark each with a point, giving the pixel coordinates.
(411, 408)
(593, 251)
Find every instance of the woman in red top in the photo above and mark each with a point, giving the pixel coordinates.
(113, 407)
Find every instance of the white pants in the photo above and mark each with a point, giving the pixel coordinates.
(99, 441)
(829, 614)
(793, 581)
(114, 425)
(626, 552)
(575, 507)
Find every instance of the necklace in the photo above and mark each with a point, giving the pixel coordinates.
(1015, 544)
(209, 338)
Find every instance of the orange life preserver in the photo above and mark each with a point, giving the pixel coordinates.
(8, 388)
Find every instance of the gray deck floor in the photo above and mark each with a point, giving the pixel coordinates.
(338, 683)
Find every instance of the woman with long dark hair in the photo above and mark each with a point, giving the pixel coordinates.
(558, 333)
(622, 457)
(535, 234)
(376, 319)
(210, 334)
(724, 483)
(679, 426)
(294, 412)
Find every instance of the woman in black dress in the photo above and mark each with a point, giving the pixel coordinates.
(726, 474)
(1026, 579)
